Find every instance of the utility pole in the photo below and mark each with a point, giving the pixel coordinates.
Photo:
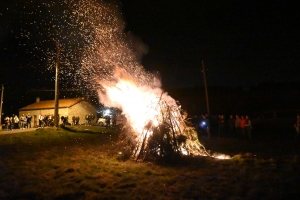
(206, 94)
(56, 117)
(2, 92)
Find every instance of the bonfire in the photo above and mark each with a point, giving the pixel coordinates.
(164, 135)
(170, 138)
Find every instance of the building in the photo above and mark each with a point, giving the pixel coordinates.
(66, 107)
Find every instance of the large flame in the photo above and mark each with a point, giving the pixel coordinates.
(139, 103)
(135, 102)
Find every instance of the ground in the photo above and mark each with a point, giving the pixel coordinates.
(83, 163)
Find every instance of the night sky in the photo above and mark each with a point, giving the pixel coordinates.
(242, 43)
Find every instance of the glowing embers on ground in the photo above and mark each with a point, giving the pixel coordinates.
(220, 156)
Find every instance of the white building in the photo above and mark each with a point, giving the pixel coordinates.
(77, 107)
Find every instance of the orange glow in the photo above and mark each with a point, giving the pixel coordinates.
(221, 156)
(143, 105)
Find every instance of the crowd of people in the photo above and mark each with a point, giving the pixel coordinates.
(238, 126)
(25, 121)
(234, 127)
(110, 121)
(89, 119)
(45, 120)
(15, 122)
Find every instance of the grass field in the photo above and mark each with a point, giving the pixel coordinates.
(80, 163)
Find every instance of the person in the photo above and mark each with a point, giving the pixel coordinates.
(64, 120)
(107, 121)
(7, 123)
(237, 125)
(221, 125)
(114, 121)
(28, 118)
(205, 124)
(297, 128)
(77, 120)
(248, 128)
(92, 118)
(87, 120)
(23, 121)
(231, 125)
(242, 126)
(50, 120)
(46, 120)
(41, 119)
(73, 120)
(12, 122)
(16, 120)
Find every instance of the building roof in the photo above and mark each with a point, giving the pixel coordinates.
(50, 104)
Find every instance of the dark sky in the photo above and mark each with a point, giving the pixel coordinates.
(241, 43)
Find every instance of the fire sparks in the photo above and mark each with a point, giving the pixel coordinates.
(122, 82)
(102, 59)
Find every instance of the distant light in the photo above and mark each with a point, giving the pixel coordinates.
(107, 112)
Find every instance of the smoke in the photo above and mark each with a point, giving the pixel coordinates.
(138, 46)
